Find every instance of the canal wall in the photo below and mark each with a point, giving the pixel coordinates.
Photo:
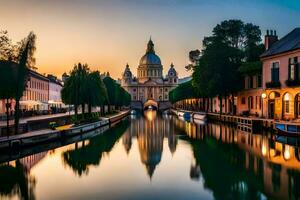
(249, 124)
(47, 135)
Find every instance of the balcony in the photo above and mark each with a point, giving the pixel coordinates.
(292, 83)
(273, 84)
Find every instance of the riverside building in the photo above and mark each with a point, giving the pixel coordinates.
(281, 76)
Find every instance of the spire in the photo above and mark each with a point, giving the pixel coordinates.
(150, 46)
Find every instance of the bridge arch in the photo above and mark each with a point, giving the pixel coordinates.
(150, 102)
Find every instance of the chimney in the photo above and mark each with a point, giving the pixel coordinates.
(270, 38)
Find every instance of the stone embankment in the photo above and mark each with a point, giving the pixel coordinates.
(46, 135)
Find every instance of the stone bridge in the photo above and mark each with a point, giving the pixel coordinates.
(159, 105)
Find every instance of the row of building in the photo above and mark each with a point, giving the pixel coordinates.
(273, 92)
(41, 96)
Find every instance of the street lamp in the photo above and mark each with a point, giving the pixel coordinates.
(263, 96)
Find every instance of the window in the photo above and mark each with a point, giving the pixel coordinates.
(166, 90)
(259, 81)
(256, 102)
(250, 84)
(275, 72)
(260, 102)
(293, 69)
(286, 104)
(243, 100)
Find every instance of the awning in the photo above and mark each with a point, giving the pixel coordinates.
(51, 102)
(30, 103)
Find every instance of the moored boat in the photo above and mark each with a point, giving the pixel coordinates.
(288, 128)
(199, 116)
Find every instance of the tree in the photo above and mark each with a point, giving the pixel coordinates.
(95, 91)
(183, 91)
(110, 85)
(232, 43)
(84, 87)
(25, 55)
(5, 45)
(7, 90)
(73, 91)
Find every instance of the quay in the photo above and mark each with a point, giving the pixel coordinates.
(47, 135)
(248, 124)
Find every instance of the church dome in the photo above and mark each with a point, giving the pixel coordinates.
(150, 58)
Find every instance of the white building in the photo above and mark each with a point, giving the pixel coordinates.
(55, 87)
(150, 86)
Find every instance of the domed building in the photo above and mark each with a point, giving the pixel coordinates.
(150, 87)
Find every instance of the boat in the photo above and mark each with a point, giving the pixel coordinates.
(199, 116)
(199, 121)
(288, 128)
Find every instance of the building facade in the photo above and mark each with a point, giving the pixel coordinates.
(281, 76)
(55, 87)
(150, 86)
(36, 94)
(249, 100)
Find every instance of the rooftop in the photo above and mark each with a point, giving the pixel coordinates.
(289, 42)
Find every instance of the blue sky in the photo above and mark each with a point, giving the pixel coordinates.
(108, 34)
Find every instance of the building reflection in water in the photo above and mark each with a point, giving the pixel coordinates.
(243, 163)
(150, 130)
(16, 179)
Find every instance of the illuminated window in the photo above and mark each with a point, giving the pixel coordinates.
(287, 103)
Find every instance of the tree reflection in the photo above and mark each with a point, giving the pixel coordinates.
(90, 152)
(16, 181)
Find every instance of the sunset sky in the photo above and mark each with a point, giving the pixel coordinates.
(108, 34)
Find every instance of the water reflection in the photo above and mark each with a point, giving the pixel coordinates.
(183, 160)
(239, 165)
(16, 180)
(150, 131)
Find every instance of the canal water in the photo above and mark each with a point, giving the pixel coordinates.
(159, 157)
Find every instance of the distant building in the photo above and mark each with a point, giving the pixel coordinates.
(36, 94)
(55, 86)
(149, 86)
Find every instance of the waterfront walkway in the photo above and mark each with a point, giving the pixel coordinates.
(45, 134)
(34, 118)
